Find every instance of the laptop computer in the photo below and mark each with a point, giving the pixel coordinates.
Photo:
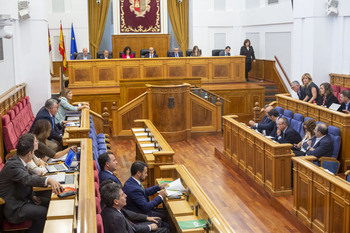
(62, 178)
(62, 167)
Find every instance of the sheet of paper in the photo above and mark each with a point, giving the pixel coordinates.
(147, 145)
(171, 193)
(63, 158)
(140, 134)
(176, 185)
(73, 118)
(144, 139)
(334, 106)
(139, 130)
(149, 151)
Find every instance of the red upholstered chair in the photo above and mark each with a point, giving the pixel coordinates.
(13, 119)
(98, 205)
(96, 179)
(19, 119)
(95, 165)
(29, 108)
(9, 134)
(6, 226)
(99, 223)
(97, 190)
(335, 88)
(1, 164)
(344, 88)
(24, 112)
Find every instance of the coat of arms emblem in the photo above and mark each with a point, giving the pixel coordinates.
(140, 7)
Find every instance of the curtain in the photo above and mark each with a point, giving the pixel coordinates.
(97, 20)
(178, 14)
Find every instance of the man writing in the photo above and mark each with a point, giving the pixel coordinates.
(16, 188)
(266, 125)
(117, 219)
(226, 52)
(108, 164)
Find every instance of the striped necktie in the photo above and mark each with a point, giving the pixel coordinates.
(53, 122)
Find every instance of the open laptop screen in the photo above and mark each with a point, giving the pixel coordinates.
(69, 158)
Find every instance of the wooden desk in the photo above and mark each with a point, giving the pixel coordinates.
(156, 158)
(72, 134)
(321, 199)
(328, 116)
(61, 209)
(59, 226)
(194, 205)
(265, 161)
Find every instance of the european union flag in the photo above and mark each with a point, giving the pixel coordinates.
(73, 45)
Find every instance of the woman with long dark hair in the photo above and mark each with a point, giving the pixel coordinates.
(247, 51)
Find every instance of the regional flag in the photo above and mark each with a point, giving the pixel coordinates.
(73, 44)
(63, 50)
(50, 53)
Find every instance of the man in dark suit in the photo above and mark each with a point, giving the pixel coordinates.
(117, 219)
(48, 113)
(108, 164)
(105, 55)
(286, 134)
(274, 116)
(298, 89)
(226, 52)
(321, 145)
(176, 53)
(345, 101)
(266, 125)
(84, 56)
(16, 187)
(151, 53)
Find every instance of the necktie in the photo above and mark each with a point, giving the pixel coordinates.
(176, 55)
(142, 187)
(53, 122)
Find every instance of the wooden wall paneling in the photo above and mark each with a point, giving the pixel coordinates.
(242, 149)
(56, 69)
(227, 140)
(320, 198)
(160, 42)
(251, 155)
(97, 101)
(177, 68)
(106, 73)
(341, 80)
(203, 114)
(259, 161)
(235, 143)
(154, 68)
(81, 74)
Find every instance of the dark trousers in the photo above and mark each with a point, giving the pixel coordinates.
(248, 67)
(36, 213)
(161, 214)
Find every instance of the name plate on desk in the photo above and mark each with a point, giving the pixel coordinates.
(144, 139)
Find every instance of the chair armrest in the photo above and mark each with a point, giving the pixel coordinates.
(328, 159)
(11, 153)
(2, 201)
(347, 173)
(310, 157)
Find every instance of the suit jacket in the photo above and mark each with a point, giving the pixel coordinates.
(324, 148)
(222, 53)
(154, 55)
(265, 124)
(343, 107)
(115, 221)
(172, 54)
(103, 56)
(329, 101)
(81, 56)
(289, 136)
(105, 175)
(249, 54)
(137, 198)
(16, 188)
(124, 56)
(301, 93)
(45, 115)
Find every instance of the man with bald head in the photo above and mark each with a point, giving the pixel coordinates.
(266, 125)
(84, 56)
(151, 53)
(105, 55)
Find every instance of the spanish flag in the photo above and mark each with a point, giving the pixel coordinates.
(63, 50)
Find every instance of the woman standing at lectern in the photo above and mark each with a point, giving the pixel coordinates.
(247, 51)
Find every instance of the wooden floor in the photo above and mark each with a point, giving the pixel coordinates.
(246, 207)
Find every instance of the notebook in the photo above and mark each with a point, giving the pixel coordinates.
(62, 167)
(334, 106)
(62, 178)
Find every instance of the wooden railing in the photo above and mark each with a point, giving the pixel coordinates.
(284, 72)
(265, 161)
(328, 116)
(195, 204)
(342, 80)
(321, 199)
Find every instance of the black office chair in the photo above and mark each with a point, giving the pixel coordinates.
(215, 52)
(189, 51)
(75, 55)
(100, 53)
(172, 51)
(132, 52)
(143, 52)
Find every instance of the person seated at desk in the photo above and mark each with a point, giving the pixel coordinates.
(42, 129)
(66, 97)
(226, 52)
(84, 56)
(345, 101)
(108, 164)
(105, 55)
(309, 131)
(127, 53)
(311, 89)
(274, 116)
(299, 90)
(151, 53)
(266, 125)
(176, 53)
(137, 199)
(327, 96)
(286, 133)
(48, 113)
(195, 52)
(16, 188)
(117, 219)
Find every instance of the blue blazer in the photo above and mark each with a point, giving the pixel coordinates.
(137, 199)
(265, 124)
(55, 131)
(290, 136)
(105, 175)
(172, 54)
(324, 148)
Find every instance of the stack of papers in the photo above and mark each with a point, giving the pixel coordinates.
(175, 188)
